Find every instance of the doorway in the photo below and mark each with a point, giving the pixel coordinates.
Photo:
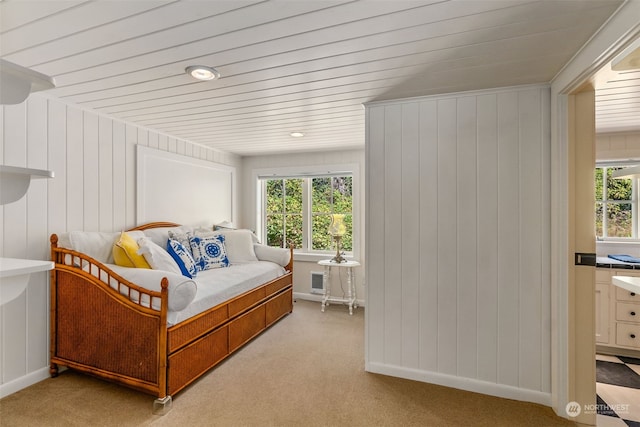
(617, 356)
(573, 339)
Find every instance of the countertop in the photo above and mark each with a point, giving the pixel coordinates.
(606, 262)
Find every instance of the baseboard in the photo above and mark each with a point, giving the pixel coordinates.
(317, 298)
(468, 384)
(615, 351)
(24, 382)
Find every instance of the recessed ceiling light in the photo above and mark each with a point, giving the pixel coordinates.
(296, 134)
(202, 72)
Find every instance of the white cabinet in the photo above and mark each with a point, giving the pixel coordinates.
(603, 278)
(617, 313)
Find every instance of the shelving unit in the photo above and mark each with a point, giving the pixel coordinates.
(14, 273)
(14, 181)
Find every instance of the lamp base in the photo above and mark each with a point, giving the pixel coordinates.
(338, 258)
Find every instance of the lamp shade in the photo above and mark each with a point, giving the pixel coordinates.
(337, 227)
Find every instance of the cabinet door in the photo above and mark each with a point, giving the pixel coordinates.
(602, 313)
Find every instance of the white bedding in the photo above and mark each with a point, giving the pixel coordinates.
(221, 284)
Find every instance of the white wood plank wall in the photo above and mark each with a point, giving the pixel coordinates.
(93, 158)
(458, 238)
(618, 146)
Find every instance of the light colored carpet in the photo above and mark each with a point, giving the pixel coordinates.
(307, 370)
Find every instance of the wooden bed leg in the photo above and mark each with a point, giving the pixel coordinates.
(162, 405)
(53, 370)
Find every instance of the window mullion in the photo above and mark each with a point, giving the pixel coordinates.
(634, 208)
(605, 197)
(306, 214)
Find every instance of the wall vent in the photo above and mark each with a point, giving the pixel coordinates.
(316, 282)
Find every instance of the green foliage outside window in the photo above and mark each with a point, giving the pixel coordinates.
(284, 212)
(285, 222)
(611, 205)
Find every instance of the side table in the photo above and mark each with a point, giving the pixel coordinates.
(351, 286)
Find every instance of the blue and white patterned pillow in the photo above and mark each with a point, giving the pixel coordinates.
(209, 252)
(183, 258)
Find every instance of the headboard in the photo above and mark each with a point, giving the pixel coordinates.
(182, 189)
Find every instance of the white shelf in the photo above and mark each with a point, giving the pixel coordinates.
(14, 276)
(14, 181)
(18, 82)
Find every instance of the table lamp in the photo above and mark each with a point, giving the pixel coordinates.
(337, 229)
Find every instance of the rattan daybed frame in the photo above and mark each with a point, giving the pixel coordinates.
(97, 330)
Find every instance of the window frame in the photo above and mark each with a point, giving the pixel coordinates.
(635, 188)
(307, 173)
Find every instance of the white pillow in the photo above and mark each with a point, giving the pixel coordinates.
(158, 258)
(160, 235)
(280, 256)
(181, 289)
(239, 245)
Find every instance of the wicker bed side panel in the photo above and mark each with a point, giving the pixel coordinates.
(95, 330)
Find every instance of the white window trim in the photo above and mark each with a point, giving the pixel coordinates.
(635, 189)
(352, 169)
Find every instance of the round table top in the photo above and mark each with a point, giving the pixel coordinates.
(331, 263)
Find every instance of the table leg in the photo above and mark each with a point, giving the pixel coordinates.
(326, 284)
(350, 289)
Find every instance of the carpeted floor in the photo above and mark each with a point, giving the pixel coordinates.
(307, 370)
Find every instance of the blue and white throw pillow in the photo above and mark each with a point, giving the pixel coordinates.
(183, 258)
(209, 252)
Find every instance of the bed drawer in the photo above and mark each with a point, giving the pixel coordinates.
(246, 327)
(189, 363)
(279, 306)
(245, 301)
(278, 284)
(182, 333)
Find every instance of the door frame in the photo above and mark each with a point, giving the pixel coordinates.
(617, 33)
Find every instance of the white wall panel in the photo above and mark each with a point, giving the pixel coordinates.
(93, 158)
(467, 236)
(428, 233)
(91, 172)
(410, 240)
(392, 235)
(487, 243)
(508, 238)
(105, 176)
(461, 295)
(374, 228)
(446, 206)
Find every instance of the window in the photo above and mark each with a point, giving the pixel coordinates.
(616, 204)
(297, 210)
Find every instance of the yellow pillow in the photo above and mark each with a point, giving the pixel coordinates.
(125, 253)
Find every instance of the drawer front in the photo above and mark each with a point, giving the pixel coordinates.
(628, 312)
(190, 362)
(246, 327)
(627, 273)
(628, 335)
(603, 275)
(625, 295)
(279, 306)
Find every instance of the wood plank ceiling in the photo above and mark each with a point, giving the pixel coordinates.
(286, 65)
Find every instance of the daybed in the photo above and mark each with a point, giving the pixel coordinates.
(154, 340)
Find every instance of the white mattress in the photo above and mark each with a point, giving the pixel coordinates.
(221, 284)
